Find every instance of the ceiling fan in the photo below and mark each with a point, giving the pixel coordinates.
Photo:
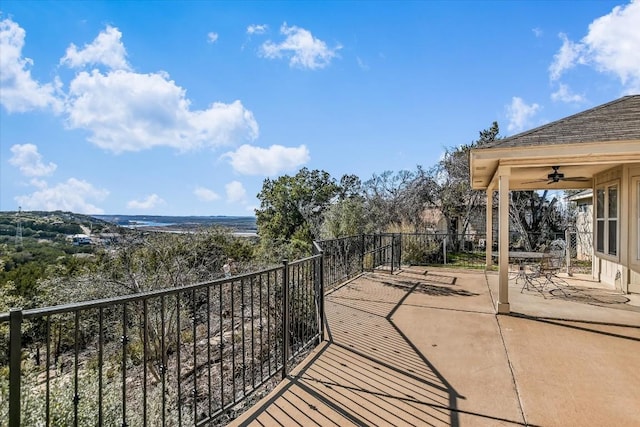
(557, 176)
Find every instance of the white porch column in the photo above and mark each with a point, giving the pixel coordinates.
(503, 240)
(489, 229)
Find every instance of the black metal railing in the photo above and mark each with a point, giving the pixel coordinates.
(467, 250)
(342, 259)
(347, 257)
(180, 356)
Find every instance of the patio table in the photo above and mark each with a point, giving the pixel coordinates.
(521, 256)
(523, 259)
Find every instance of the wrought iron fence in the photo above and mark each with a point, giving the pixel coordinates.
(180, 356)
(341, 258)
(346, 257)
(469, 250)
(466, 250)
(382, 251)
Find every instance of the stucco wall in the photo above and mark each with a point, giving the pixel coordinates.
(623, 272)
(634, 285)
(611, 274)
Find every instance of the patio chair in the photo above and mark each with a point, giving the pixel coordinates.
(551, 264)
(528, 274)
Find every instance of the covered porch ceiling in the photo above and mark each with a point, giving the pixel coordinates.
(530, 167)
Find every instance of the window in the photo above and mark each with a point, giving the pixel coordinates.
(607, 220)
(600, 220)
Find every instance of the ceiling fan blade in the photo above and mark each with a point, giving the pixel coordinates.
(535, 181)
(556, 176)
(577, 179)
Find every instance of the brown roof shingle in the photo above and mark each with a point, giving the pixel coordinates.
(617, 120)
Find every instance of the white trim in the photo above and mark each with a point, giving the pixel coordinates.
(634, 232)
(606, 220)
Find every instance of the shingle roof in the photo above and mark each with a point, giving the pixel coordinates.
(617, 120)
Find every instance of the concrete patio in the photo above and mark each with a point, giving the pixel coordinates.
(425, 348)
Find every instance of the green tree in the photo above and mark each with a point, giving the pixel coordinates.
(347, 217)
(292, 207)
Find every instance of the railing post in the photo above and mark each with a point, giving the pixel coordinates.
(321, 294)
(285, 317)
(393, 241)
(15, 362)
(362, 252)
(400, 250)
(444, 249)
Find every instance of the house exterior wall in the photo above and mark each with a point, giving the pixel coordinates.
(634, 283)
(477, 221)
(622, 270)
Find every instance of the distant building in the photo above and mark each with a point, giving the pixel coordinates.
(80, 239)
(108, 238)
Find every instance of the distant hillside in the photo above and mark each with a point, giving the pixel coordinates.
(242, 224)
(33, 241)
(49, 224)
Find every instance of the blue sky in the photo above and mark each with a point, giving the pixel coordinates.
(184, 108)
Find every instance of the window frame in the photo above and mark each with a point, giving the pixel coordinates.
(635, 185)
(603, 219)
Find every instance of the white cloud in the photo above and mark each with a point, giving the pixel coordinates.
(212, 37)
(520, 114)
(303, 50)
(612, 45)
(149, 202)
(257, 29)
(564, 94)
(107, 49)
(537, 32)
(205, 195)
(72, 196)
(251, 160)
(27, 158)
(566, 58)
(235, 192)
(126, 111)
(20, 92)
(39, 183)
(122, 110)
(614, 42)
